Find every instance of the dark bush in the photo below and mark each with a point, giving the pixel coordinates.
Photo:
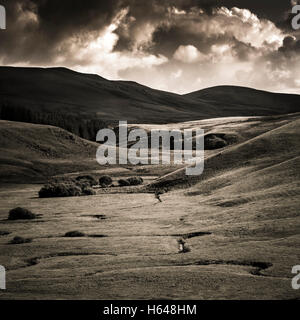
(88, 179)
(4, 233)
(68, 189)
(60, 190)
(123, 183)
(19, 240)
(135, 181)
(212, 142)
(105, 181)
(82, 184)
(74, 190)
(74, 234)
(88, 191)
(20, 214)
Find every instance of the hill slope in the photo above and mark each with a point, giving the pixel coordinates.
(279, 143)
(247, 99)
(30, 152)
(84, 103)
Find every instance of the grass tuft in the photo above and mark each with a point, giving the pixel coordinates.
(20, 240)
(21, 214)
(74, 234)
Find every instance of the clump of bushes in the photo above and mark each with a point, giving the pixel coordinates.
(123, 183)
(21, 214)
(133, 181)
(56, 189)
(20, 240)
(212, 142)
(68, 188)
(74, 234)
(91, 181)
(88, 191)
(105, 181)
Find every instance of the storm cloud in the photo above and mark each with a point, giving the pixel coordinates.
(176, 45)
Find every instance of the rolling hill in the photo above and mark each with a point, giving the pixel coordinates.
(269, 157)
(84, 103)
(242, 100)
(33, 153)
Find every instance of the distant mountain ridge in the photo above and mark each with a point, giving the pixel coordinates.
(83, 103)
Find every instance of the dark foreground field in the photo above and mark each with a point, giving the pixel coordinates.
(239, 223)
(238, 250)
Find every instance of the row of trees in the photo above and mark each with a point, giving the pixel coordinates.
(80, 125)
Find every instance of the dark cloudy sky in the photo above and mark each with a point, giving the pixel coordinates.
(176, 45)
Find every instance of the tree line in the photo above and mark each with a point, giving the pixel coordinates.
(82, 126)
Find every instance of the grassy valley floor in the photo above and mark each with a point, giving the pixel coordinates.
(130, 251)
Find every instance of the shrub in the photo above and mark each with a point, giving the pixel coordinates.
(19, 240)
(68, 189)
(123, 183)
(105, 181)
(74, 190)
(82, 184)
(4, 233)
(88, 191)
(135, 181)
(20, 214)
(212, 142)
(60, 190)
(91, 181)
(74, 234)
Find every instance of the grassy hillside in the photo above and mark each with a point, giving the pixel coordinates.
(31, 152)
(243, 100)
(84, 103)
(36, 152)
(270, 142)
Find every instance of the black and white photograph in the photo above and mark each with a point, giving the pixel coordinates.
(149, 150)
